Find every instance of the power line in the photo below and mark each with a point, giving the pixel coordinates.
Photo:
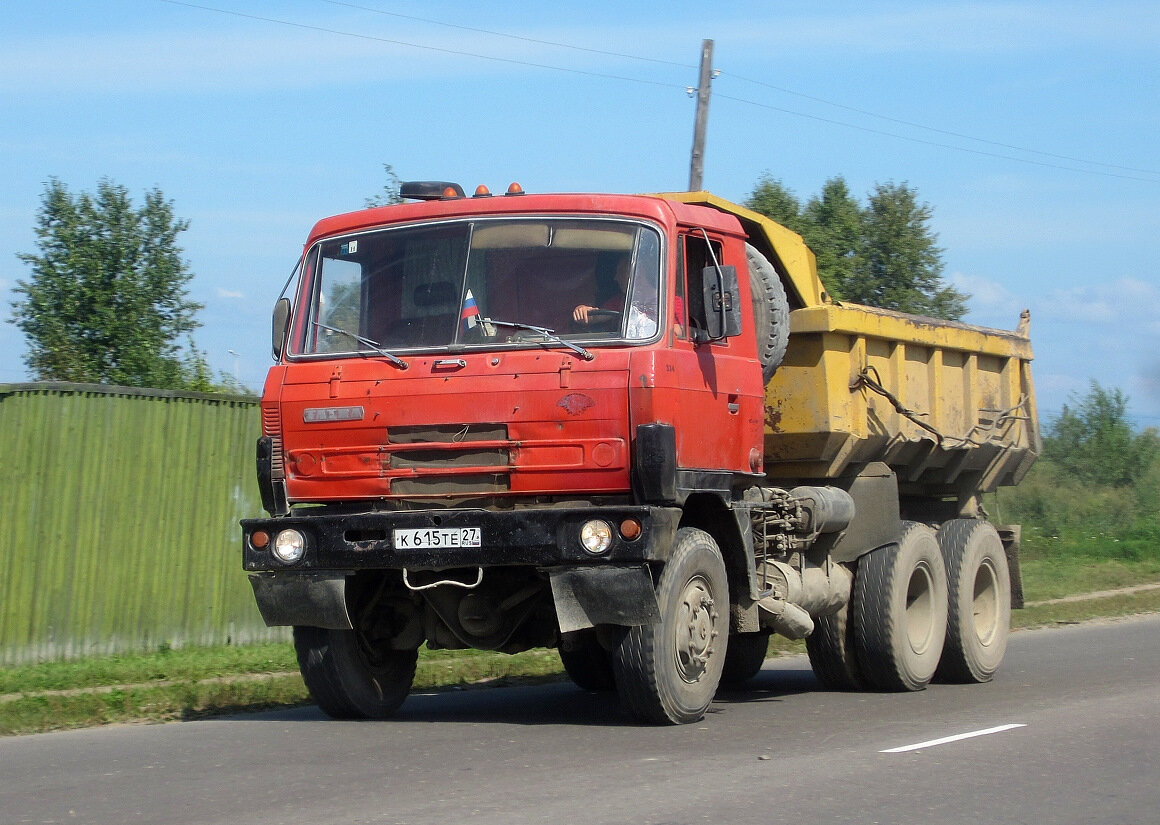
(936, 143)
(781, 89)
(1139, 176)
(440, 49)
(947, 132)
(518, 37)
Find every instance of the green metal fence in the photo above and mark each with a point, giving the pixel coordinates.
(119, 515)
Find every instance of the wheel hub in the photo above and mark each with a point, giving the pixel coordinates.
(696, 630)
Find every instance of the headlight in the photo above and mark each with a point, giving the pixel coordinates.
(289, 546)
(596, 536)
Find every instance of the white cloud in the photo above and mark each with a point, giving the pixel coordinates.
(205, 53)
(1126, 303)
(986, 294)
(241, 55)
(229, 293)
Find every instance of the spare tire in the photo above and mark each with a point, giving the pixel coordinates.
(770, 311)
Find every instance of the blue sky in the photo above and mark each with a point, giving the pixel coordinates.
(1029, 127)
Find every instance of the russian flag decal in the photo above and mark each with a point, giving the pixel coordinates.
(469, 316)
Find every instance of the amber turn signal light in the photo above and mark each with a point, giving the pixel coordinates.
(630, 529)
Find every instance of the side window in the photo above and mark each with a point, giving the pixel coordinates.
(644, 303)
(698, 256)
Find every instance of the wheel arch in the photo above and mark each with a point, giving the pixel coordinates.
(711, 513)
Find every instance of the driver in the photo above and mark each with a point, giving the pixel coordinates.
(614, 301)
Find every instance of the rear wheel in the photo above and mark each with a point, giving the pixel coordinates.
(831, 650)
(900, 611)
(744, 657)
(351, 678)
(669, 671)
(979, 601)
(586, 662)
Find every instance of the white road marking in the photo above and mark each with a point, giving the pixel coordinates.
(933, 742)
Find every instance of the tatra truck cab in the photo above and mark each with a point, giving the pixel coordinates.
(637, 430)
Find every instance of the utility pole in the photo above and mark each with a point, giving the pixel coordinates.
(697, 165)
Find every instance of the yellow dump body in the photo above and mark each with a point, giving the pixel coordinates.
(949, 407)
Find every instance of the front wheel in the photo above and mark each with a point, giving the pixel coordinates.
(349, 676)
(668, 672)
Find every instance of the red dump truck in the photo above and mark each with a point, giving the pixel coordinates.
(632, 428)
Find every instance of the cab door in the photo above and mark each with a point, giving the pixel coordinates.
(714, 387)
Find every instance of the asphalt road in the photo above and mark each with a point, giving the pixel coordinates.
(1087, 750)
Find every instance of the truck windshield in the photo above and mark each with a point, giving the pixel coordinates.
(481, 283)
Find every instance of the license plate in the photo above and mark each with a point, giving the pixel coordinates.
(428, 538)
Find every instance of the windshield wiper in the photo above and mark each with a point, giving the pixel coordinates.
(375, 345)
(544, 331)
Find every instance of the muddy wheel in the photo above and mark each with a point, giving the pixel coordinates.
(900, 611)
(744, 657)
(770, 311)
(979, 601)
(586, 662)
(669, 671)
(831, 651)
(350, 678)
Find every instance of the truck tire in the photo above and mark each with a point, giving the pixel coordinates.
(831, 651)
(979, 601)
(900, 611)
(587, 663)
(744, 657)
(348, 677)
(770, 311)
(668, 672)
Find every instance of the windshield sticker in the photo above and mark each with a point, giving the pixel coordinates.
(348, 248)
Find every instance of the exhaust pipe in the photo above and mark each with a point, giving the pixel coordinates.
(815, 590)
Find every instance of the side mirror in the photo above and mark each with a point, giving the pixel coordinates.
(280, 327)
(722, 307)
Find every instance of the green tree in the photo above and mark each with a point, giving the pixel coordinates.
(107, 299)
(903, 264)
(771, 198)
(834, 231)
(884, 254)
(1092, 440)
(390, 194)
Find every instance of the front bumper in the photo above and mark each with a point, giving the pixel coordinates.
(540, 537)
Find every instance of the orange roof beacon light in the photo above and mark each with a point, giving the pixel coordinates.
(482, 191)
(515, 189)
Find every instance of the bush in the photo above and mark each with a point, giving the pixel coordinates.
(1093, 441)
(1095, 493)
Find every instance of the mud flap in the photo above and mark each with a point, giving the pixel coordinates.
(588, 596)
(1012, 537)
(302, 600)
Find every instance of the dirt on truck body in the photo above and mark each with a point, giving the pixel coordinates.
(633, 428)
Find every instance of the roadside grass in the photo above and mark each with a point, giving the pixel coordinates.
(192, 683)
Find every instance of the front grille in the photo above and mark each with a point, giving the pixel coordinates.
(446, 433)
(271, 428)
(498, 457)
(451, 485)
(455, 449)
